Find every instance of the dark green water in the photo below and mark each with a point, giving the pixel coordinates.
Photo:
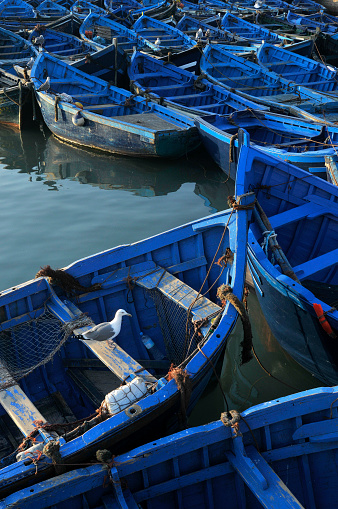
(59, 203)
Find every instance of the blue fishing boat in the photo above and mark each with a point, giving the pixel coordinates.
(165, 37)
(310, 23)
(87, 111)
(258, 83)
(172, 289)
(16, 9)
(61, 45)
(83, 7)
(169, 85)
(300, 142)
(50, 9)
(293, 257)
(196, 10)
(307, 6)
(190, 26)
(104, 64)
(104, 30)
(301, 70)
(14, 49)
(16, 97)
(68, 24)
(256, 458)
(111, 5)
(238, 27)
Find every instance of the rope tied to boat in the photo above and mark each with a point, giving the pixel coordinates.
(197, 83)
(52, 451)
(230, 418)
(64, 280)
(225, 293)
(237, 205)
(265, 244)
(184, 385)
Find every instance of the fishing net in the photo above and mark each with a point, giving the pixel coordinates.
(176, 326)
(31, 344)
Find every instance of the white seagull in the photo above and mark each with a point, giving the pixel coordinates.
(45, 86)
(106, 331)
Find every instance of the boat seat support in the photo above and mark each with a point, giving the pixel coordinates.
(115, 358)
(260, 478)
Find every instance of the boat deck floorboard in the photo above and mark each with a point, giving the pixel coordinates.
(148, 120)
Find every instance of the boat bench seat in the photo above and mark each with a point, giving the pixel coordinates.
(322, 262)
(81, 96)
(19, 407)
(150, 276)
(187, 96)
(150, 75)
(115, 358)
(311, 209)
(56, 81)
(285, 62)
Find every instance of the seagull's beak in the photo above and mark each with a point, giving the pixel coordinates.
(128, 314)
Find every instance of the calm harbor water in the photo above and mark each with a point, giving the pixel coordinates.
(59, 203)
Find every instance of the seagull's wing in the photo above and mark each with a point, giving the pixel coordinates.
(100, 332)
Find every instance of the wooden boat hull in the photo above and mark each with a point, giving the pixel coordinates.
(158, 412)
(118, 138)
(292, 285)
(111, 118)
(309, 345)
(309, 155)
(259, 461)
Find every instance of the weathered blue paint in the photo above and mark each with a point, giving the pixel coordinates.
(299, 69)
(297, 141)
(295, 466)
(16, 9)
(50, 9)
(187, 254)
(303, 211)
(255, 81)
(61, 45)
(123, 124)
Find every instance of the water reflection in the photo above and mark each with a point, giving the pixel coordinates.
(51, 161)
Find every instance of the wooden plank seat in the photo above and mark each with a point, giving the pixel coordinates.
(115, 358)
(152, 277)
(92, 107)
(309, 210)
(188, 96)
(19, 407)
(322, 262)
(284, 62)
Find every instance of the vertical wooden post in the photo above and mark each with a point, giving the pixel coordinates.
(115, 64)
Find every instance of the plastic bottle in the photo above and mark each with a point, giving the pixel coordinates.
(154, 352)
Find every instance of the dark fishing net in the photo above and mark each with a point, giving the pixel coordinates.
(31, 344)
(177, 327)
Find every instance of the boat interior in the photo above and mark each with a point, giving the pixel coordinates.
(307, 230)
(64, 378)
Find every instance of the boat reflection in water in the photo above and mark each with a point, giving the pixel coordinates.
(53, 161)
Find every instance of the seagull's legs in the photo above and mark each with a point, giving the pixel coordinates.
(110, 343)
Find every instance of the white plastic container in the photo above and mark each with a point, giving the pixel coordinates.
(124, 396)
